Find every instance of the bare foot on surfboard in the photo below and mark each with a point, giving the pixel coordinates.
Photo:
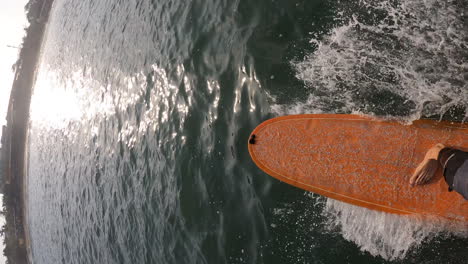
(427, 168)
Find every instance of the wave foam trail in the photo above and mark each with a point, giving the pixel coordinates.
(386, 235)
(405, 58)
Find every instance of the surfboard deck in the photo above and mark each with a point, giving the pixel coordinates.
(360, 160)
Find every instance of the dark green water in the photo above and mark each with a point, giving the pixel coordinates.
(142, 111)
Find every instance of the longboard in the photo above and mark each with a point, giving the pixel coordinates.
(360, 160)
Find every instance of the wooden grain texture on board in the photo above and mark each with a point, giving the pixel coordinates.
(361, 161)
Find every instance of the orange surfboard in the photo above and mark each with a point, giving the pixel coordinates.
(361, 160)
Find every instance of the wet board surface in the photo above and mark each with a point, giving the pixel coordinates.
(360, 160)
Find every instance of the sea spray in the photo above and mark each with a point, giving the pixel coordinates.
(403, 58)
(389, 236)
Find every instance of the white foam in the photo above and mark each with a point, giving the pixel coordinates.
(416, 54)
(386, 235)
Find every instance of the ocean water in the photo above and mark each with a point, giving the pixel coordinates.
(142, 109)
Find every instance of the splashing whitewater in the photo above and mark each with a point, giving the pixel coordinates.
(399, 58)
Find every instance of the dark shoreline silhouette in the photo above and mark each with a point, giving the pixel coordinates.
(13, 157)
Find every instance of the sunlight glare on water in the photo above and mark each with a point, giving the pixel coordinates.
(54, 106)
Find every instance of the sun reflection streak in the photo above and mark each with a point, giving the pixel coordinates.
(53, 105)
(78, 104)
(214, 89)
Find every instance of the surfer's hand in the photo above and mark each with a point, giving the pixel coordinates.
(427, 168)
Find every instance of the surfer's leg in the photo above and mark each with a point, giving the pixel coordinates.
(455, 163)
(460, 181)
(427, 168)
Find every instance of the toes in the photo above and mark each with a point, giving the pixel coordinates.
(415, 179)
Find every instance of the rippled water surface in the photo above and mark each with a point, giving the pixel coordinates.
(142, 109)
